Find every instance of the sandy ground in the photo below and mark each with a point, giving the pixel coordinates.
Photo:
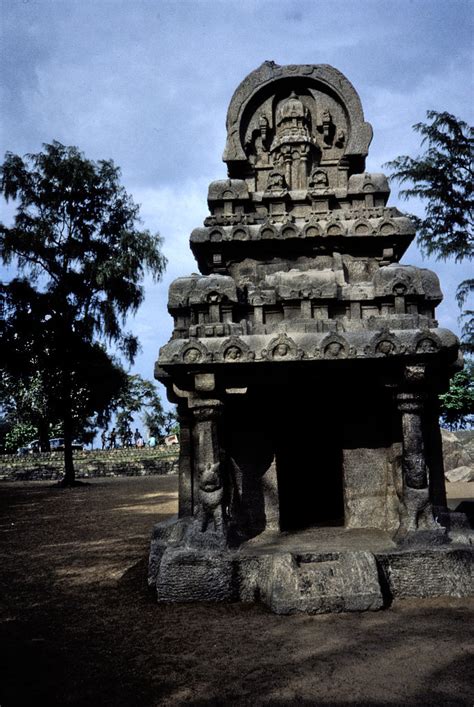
(79, 627)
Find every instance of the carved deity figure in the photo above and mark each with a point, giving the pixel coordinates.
(385, 347)
(426, 346)
(233, 353)
(327, 128)
(318, 180)
(334, 350)
(192, 356)
(276, 184)
(210, 496)
(259, 149)
(340, 138)
(280, 351)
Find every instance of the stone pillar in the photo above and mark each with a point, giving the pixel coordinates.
(417, 511)
(185, 501)
(303, 169)
(287, 160)
(356, 311)
(214, 312)
(434, 453)
(306, 308)
(399, 304)
(258, 314)
(414, 464)
(208, 481)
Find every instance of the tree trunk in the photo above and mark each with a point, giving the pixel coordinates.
(69, 473)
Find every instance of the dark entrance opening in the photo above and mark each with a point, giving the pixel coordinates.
(309, 462)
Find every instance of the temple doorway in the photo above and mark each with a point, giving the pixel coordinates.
(309, 462)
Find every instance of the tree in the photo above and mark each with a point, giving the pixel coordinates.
(24, 406)
(30, 384)
(442, 177)
(140, 396)
(457, 405)
(24, 386)
(77, 244)
(159, 425)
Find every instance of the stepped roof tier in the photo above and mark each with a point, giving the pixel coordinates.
(300, 241)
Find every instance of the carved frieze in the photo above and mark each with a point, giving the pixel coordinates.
(235, 350)
(426, 342)
(383, 344)
(192, 353)
(282, 348)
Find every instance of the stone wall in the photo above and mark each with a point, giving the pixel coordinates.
(116, 462)
(458, 451)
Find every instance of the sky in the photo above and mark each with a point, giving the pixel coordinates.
(147, 83)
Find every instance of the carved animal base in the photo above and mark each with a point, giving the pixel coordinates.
(290, 576)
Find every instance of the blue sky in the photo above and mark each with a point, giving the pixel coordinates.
(148, 82)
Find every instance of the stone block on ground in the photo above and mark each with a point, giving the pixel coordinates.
(444, 571)
(460, 473)
(189, 575)
(321, 583)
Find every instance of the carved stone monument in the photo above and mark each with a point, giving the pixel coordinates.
(306, 362)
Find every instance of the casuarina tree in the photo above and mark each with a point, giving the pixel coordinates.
(442, 177)
(81, 256)
(141, 396)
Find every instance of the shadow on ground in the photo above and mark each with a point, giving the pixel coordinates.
(78, 625)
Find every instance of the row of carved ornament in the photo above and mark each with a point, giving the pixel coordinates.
(353, 214)
(401, 285)
(274, 229)
(283, 348)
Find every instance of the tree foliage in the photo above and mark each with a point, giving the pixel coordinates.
(82, 259)
(141, 397)
(31, 390)
(442, 177)
(457, 405)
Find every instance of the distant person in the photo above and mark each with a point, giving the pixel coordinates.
(113, 439)
(152, 441)
(103, 439)
(140, 442)
(127, 438)
(136, 437)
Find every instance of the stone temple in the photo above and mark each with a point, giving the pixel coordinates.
(306, 363)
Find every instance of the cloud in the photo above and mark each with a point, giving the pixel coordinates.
(148, 84)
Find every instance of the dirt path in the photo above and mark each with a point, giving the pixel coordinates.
(79, 627)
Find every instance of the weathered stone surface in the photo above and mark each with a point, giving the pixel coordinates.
(372, 478)
(166, 533)
(443, 571)
(319, 583)
(312, 582)
(455, 453)
(186, 575)
(302, 322)
(461, 473)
